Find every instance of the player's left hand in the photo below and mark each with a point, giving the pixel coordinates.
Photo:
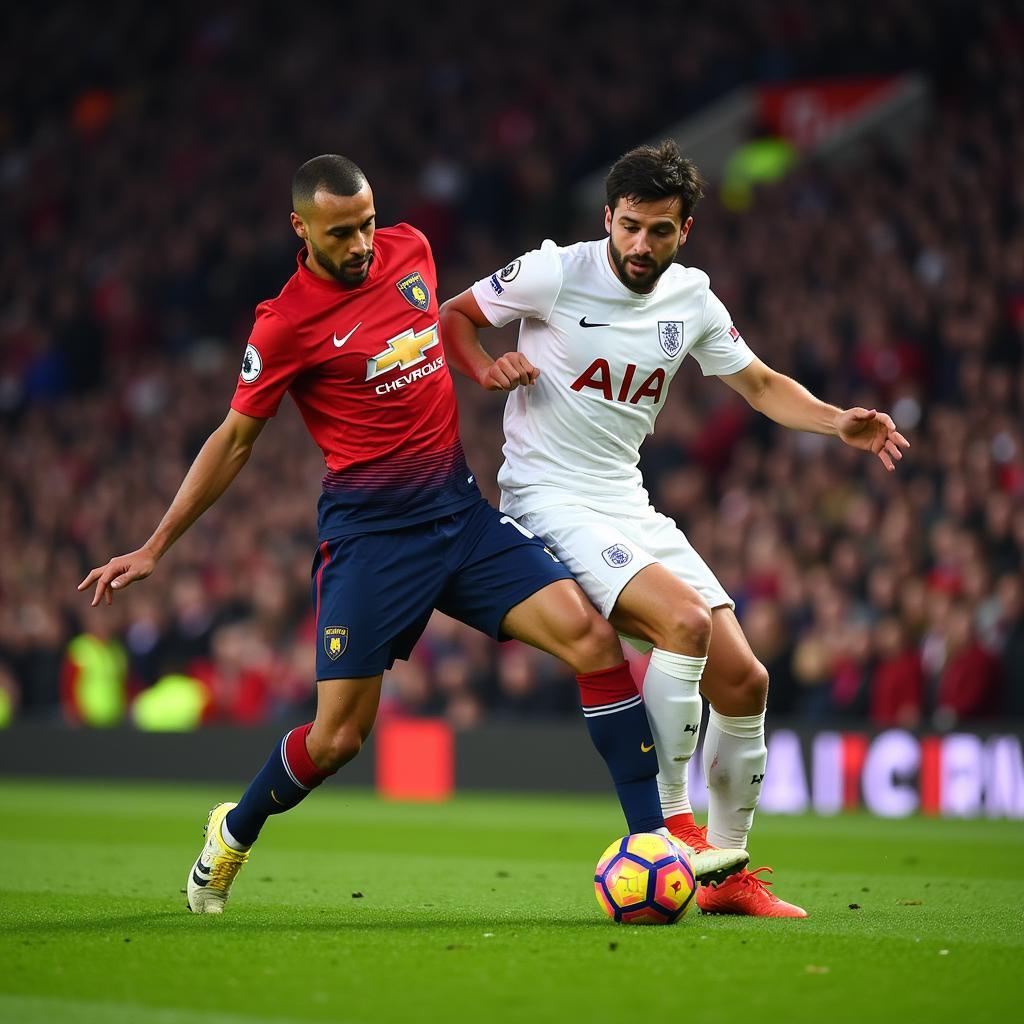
(509, 372)
(873, 431)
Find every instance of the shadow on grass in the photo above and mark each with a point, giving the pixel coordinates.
(246, 922)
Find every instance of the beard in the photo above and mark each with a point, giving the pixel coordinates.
(635, 278)
(347, 273)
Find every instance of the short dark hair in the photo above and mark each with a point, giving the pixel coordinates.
(648, 173)
(329, 172)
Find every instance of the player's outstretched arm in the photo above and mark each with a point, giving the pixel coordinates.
(784, 400)
(461, 320)
(225, 452)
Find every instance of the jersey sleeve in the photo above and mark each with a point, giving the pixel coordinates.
(526, 289)
(720, 349)
(268, 367)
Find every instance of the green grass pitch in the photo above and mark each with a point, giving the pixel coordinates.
(482, 909)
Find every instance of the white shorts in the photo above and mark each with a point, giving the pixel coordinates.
(605, 551)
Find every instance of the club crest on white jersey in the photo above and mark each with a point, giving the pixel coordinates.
(670, 334)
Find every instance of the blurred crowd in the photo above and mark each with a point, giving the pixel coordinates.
(145, 179)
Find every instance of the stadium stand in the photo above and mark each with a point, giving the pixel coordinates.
(145, 182)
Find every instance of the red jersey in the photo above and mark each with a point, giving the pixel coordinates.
(366, 368)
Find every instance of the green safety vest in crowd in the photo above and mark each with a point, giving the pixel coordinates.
(100, 685)
(174, 703)
(758, 162)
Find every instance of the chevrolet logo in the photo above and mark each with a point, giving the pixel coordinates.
(404, 350)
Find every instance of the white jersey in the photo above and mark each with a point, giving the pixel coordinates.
(607, 356)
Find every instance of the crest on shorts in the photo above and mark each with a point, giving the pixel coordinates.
(670, 334)
(335, 641)
(617, 556)
(414, 290)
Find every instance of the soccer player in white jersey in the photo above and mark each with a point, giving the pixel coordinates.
(605, 325)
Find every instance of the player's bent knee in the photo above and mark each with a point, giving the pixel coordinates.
(593, 644)
(687, 628)
(742, 691)
(335, 750)
(572, 629)
(751, 690)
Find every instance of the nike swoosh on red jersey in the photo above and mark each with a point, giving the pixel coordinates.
(338, 342)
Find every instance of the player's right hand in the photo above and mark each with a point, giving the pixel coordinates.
(509, 372)
(117, 574)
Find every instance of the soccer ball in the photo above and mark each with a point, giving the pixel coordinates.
(644, 879)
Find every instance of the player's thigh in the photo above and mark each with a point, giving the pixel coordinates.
(657, 607)
(372, 595)
(638, 568)
(672, 549)
(593, 547)
(683, 614)
(499, 565)
(560, 619)
(735, 683)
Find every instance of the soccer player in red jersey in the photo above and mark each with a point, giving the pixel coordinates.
(353, 337)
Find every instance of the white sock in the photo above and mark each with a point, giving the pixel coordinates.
(734, 760)
(672, 699)
(228, 838)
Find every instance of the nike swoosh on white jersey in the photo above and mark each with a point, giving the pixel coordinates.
(338, 342)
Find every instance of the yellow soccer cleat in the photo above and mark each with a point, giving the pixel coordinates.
(209, 880)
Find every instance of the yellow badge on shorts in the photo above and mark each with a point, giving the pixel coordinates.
(335, 641)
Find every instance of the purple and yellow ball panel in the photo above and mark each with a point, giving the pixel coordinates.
(607, 857)
(674, 889)
(628, 881)
(603, 900)
(650, 846)
(645, 915)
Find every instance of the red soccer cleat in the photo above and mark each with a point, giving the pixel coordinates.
(682, 826)
(745, 893)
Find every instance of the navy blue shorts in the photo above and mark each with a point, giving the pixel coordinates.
(374, 592)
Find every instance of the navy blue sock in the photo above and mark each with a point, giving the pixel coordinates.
(283, 782)
(618, 727)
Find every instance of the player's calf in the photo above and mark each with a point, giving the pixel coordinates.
(287, 778)
(618, 727)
